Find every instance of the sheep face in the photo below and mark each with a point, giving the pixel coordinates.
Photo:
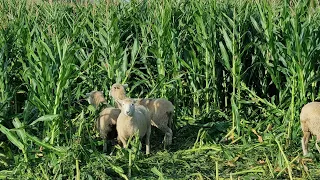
(118, 91)
(127, 107)
(89, 96)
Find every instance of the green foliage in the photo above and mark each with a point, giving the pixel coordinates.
(237, 72)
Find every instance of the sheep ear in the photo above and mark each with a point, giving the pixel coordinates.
(88, 94)
(125, 86)
(101, 92)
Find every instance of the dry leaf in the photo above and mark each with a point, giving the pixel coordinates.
(306, 160)
(277, 169)
(236, 158)
(39, 155)
(229, 163)
(261, 162)
(254, 131)
(259, 137)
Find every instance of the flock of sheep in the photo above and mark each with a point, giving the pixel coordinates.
(131, 116)
(137, 115)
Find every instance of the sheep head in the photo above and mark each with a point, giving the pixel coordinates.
(95, 98)
(127, 106)
(118, 91)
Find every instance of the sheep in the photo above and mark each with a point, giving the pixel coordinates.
(161, 110)
(310, 124)
(106, 122)
(132, 119)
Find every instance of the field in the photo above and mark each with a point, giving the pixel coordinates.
(237, 72)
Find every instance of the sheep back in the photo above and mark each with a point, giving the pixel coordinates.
(160, 110)
(106, 123)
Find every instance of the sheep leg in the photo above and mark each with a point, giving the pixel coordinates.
(318, 140)
(105, 146)
(168, 135)
(304, 142)
(170, 119)
(148, 140)
(123, 141)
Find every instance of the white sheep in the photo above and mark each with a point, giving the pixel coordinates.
(310, 124)
(132, 119)
(161, 110)
(107, 120)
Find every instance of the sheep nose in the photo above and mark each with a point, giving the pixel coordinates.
(127, 112)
